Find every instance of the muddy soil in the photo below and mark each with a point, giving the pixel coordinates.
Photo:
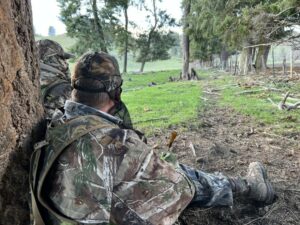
(227, 141)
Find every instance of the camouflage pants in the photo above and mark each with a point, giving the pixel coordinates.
(211, 189)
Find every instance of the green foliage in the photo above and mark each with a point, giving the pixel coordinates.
(83, 22)
(160, 44)
(235, 22)
(155, 42)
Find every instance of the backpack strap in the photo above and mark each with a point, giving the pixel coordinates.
(57, 139)
(46, 89)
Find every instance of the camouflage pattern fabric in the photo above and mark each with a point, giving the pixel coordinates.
(122, 112)
(109, 176)
(212, 189)
(54, 75)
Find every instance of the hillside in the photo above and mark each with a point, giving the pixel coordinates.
(62, 39)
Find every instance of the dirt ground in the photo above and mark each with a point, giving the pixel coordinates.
(227, 141)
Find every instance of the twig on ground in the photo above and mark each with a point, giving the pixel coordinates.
(204, 99)
(211, 93)
(191, 146)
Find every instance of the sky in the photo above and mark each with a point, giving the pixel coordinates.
(46, 13)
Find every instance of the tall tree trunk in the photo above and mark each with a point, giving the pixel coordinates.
(261, 58)
(126, 40)
(246, 61)
(98, 26)
(186, 42)
(20, 108)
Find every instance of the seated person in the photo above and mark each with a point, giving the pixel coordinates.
(96, 172)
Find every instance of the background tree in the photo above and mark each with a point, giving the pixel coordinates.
(185, 40)
(51, 31)
(154, 43)
(245, 26)
(20, 108)
(88, 23)
(123, 35)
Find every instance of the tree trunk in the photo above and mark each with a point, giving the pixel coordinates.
(224, 59)
(142, 66)
(98, 27)
(20, 108)
(126, 40)
(261, 58)
(186, 42)
(246, 61)
(145, 53)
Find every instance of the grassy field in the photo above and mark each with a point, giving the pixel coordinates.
(163, 105)
(258, 104)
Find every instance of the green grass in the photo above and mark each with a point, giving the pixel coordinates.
(164, 105)
(137, 81)
(259, 107)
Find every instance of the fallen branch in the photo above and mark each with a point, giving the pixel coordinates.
(285, 106)
(258, 90)
(151, 120)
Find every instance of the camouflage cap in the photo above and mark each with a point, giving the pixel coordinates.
(97, 66)
(47, 48)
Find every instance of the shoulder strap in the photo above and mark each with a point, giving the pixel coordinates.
(58, 138)
(46, 90)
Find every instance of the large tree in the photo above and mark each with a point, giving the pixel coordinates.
(122, 35)
(245, 26)
(20, 108)
(154, 43)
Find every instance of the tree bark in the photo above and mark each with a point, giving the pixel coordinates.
(246, 61)
(126, 40)
(142, 66)
(224, 59)
(98, 27)
(186, 42)
(20, 108)
(262, 57)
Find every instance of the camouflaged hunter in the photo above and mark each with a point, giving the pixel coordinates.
(91, 171)
(55, 79)
(54, 75)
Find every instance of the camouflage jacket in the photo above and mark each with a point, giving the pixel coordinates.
(109, 176)
(55, 83)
